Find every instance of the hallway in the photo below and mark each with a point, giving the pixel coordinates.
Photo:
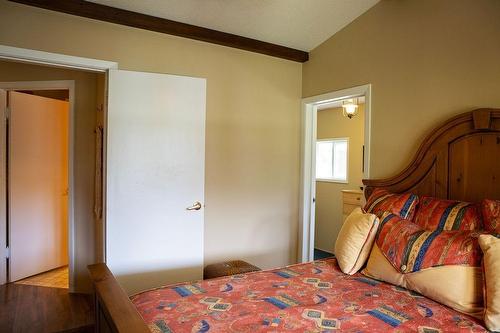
(56, 278)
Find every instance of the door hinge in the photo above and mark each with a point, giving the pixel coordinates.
(7, 252)
(7, 112)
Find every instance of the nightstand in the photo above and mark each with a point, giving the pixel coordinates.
(350, 200)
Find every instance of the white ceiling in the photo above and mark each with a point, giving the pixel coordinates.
(299, 24)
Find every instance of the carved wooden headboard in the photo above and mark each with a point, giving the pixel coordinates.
(459, 160)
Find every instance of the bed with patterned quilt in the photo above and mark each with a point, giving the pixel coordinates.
(311, 297)
(433, 229)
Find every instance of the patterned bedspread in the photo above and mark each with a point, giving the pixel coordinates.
(312, 297)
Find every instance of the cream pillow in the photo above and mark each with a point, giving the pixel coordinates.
(442, 265)
(355, 240)
(463, 284)
(491, 249)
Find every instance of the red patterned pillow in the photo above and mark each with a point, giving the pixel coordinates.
(491, 215)
(440, 214)
(400, 204)
(409, 248)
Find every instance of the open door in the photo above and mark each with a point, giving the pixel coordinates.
(155, 178)
(38, 184)
(3, 178)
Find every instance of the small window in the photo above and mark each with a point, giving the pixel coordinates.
(331, 160)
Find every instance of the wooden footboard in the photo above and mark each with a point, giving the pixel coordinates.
(114, 312)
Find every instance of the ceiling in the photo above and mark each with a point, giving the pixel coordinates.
(299, 24)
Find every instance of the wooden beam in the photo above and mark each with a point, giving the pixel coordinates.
(152, 23)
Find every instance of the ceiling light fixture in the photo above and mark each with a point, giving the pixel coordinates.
(350, 107)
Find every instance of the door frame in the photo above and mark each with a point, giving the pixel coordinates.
(36, 57)
(55, 59)
(308, 160)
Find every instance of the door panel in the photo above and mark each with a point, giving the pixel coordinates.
(3, 174)
(154, 171)
(38, 184)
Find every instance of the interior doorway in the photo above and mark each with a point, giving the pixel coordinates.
(87, 129)
(335, 158)
(339, 169)
(83, 191)
(37, 159)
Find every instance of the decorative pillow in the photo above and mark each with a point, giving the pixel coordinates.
(440, 214)
(491, 215)
(400, 204)
(491, 249)
(409, 248)
(442, 265)
(355, 240)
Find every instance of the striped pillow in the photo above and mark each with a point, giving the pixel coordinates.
(409, 248)
(440, 214)
(491, 215)
(382, 200)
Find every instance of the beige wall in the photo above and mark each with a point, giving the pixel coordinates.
(252, 126)
(328, 221)
(427, 60)
(85, 121)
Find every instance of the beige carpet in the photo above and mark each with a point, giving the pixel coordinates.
(56, 278)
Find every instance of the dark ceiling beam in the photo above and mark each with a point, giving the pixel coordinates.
(152, 23)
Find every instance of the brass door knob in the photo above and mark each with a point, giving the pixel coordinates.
(195, 206)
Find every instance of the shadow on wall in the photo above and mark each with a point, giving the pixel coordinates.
(149, 279)
(262, 260)
(141, 281)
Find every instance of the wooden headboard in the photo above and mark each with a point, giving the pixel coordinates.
(459, 160)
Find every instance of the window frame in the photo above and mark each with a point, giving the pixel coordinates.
(335, 180)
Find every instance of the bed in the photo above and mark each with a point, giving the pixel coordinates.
(458, 160)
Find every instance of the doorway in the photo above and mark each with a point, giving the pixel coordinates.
(84, 118)
(335, 158)
(37, 158)
(339, 169)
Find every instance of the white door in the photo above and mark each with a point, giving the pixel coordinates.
(3, 176)
(38, 184)
(154, 171)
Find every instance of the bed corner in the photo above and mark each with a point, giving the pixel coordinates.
(114, 312)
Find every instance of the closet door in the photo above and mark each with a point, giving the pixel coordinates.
(155, 178)
(38, 184)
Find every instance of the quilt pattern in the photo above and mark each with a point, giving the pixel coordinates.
(311, 297)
